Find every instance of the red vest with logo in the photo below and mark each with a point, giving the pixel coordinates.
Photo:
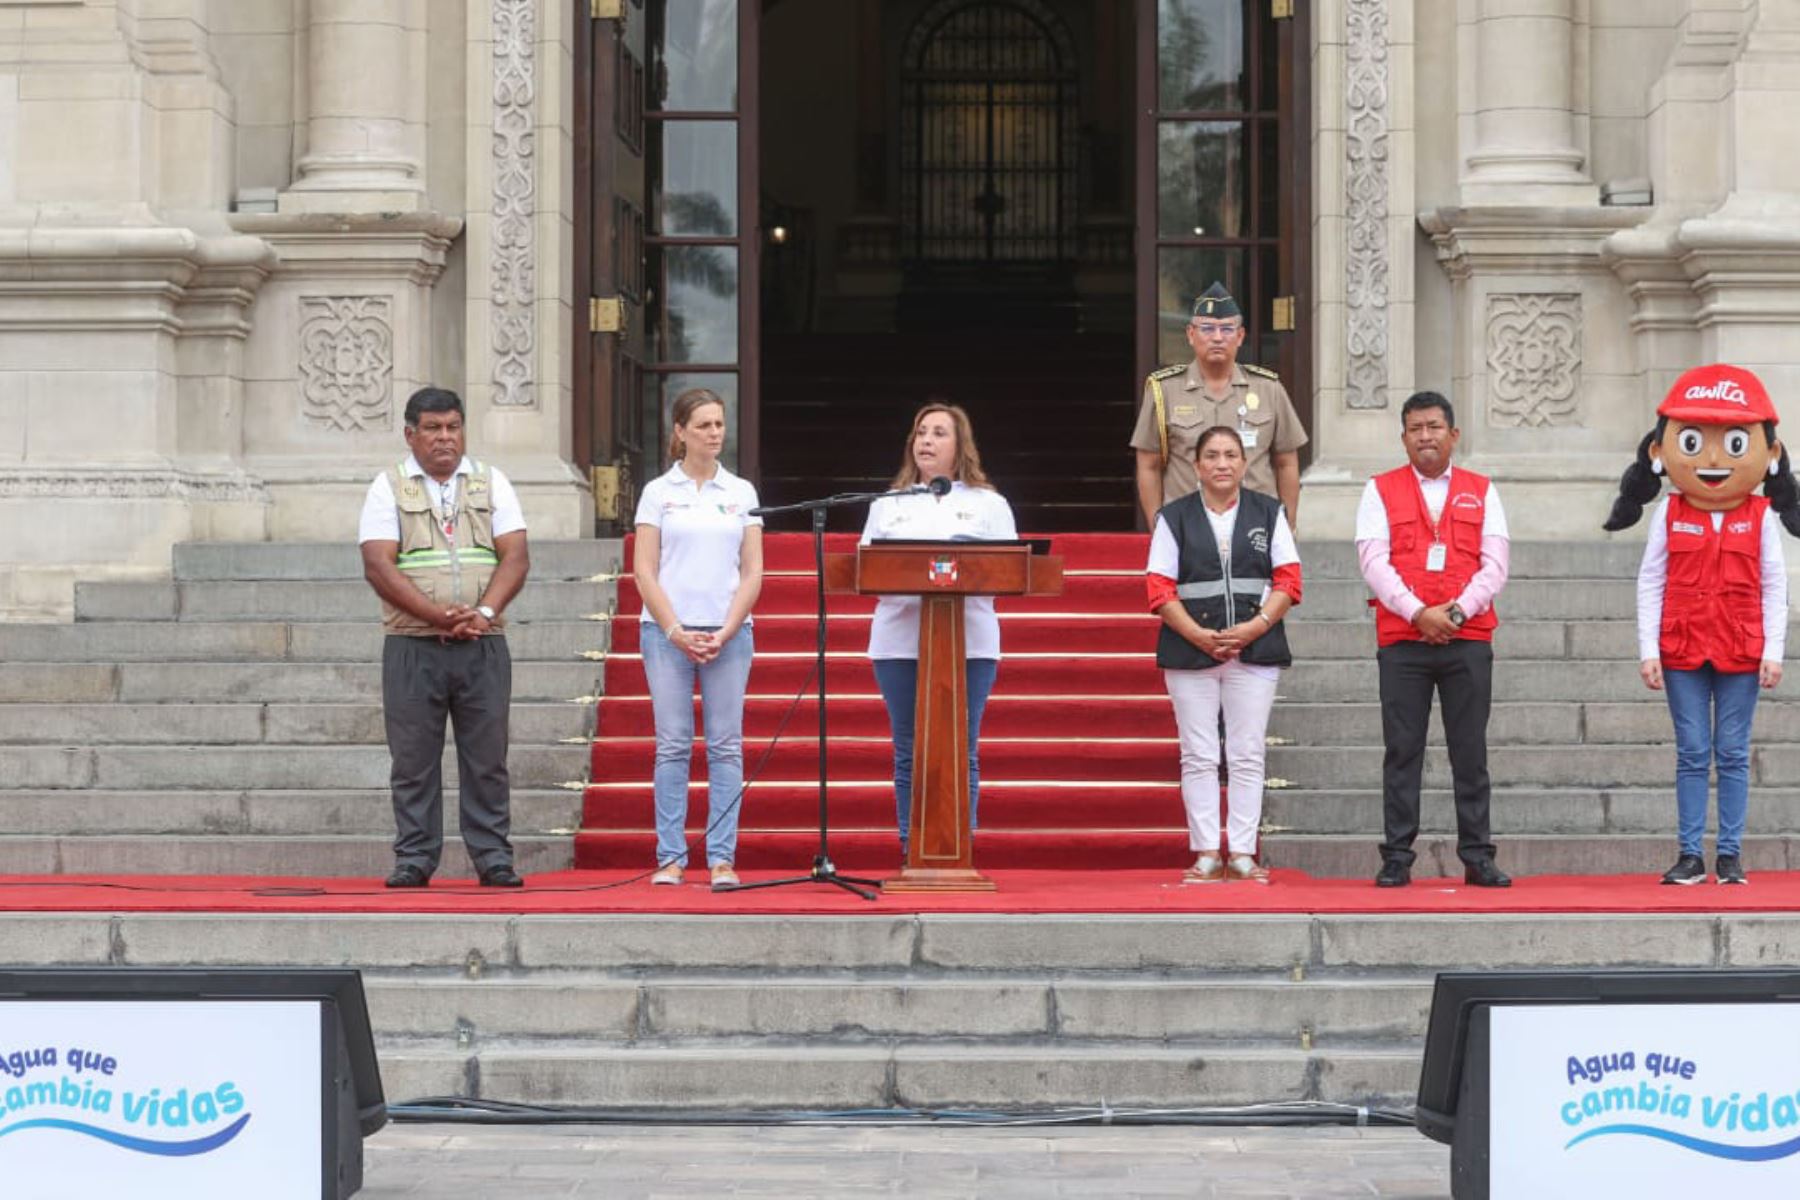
(1410, 537)
(1712, 601)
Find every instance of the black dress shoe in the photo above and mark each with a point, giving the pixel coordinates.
(501, 876)
(1394, 873)
(406, 875)
(1483, 873)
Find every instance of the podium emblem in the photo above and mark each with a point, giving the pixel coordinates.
(942, 572)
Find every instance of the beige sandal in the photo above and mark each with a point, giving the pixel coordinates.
(1208, 868)
(1242, 866)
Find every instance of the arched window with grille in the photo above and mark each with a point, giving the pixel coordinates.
(988, 149)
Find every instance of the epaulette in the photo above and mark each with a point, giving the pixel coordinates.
(1169, 372)
(1256, 370)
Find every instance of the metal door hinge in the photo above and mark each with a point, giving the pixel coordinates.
(606, 314)
(1280, 10)
(605, 481)
(606, 10)
(1281, 318)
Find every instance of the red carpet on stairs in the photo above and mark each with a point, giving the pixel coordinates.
(1043, 891)
(1078, 760)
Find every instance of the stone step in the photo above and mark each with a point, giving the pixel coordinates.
(764, 945)
(1515, 811)
(706, 1074)
(369, 855)
(323, 682)
(261, 813)
(262, 766)
(329, 600)
(1517, 766)
(608, 1007)
(1352, 856)
(191, 724)
(212, 561)
(261, 641)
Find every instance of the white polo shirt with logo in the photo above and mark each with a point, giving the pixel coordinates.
(701, 528)
(966, 514)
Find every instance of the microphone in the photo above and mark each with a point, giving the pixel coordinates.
(940, 486)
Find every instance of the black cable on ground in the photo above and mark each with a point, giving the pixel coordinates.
(459, 1110)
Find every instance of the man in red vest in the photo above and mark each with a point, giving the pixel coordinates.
(1433, 547)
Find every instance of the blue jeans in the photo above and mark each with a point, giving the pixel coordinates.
(898, 679)
(672, 676)
(1712, 711)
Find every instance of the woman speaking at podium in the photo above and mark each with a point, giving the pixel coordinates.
(940, 446)
(1223, 572)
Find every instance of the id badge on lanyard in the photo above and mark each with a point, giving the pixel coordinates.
(1434, 557)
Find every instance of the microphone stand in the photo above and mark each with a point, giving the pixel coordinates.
(823, 869)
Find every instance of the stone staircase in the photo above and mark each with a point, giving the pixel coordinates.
(917, 1010)
(228, 720)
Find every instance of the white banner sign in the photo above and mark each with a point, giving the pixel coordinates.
(197, 1099)
(1645, 1100)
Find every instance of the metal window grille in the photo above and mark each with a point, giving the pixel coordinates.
(989, 136)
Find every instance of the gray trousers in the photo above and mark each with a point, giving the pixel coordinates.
(423, 680)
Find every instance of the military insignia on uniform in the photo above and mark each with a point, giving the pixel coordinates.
(1256, 370)
(1169, 372)
(1251, 400)
(942, 572)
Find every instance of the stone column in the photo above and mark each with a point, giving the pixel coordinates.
(365, 98)
(1521, 133)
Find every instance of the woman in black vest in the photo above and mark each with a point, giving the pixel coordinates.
(1223, 572)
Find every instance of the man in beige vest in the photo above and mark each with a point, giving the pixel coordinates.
(1183, 401)
(443, 545)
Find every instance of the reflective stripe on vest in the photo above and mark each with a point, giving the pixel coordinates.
(416, 560)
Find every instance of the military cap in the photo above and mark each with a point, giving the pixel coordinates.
(1215, 301)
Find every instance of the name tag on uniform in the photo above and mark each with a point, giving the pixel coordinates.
(1248, 437)
(1434, 557)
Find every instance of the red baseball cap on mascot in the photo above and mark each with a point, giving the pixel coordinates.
(1719, 394)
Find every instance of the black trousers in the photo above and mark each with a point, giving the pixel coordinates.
(1462, 673)
(424, 680)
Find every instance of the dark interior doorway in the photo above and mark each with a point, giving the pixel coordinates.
(966, 241)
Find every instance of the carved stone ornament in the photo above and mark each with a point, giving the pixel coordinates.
(103, 484)
(1534, 360)
(513, 278)
(347, 361)
(1366, 204)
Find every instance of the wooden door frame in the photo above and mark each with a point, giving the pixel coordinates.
(595, 151)
(1295, 253)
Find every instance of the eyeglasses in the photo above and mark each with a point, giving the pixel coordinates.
(1210, 330)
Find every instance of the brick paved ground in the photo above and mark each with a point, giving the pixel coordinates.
(439, 1162)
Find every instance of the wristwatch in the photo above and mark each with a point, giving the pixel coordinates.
(1456, 614)
(489, 614)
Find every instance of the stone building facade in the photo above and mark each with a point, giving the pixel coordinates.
(235, 234)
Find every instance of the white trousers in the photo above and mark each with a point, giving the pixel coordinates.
(1246, 692)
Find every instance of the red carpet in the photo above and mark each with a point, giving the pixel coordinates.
(1019, 892)
(1078, 765)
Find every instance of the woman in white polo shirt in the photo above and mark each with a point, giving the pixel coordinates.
(941, 444)
(698, 567)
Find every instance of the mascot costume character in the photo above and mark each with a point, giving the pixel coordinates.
(1712, 589)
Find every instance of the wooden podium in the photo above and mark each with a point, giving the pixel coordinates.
(940, 852)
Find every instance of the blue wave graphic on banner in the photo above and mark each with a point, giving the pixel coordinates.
(1698, 1145)
(141, 1145)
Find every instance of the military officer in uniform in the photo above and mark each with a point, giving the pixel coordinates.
(1183, 401)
